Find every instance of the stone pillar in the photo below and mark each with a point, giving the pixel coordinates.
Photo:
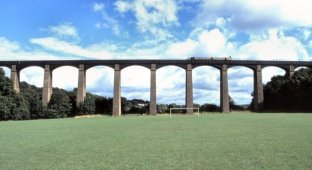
(290, 71)
(117, 95)
(47, 85)
(153, 103)
(81, 91)
(15, 78)
(258, 89)
(224, 91)
(189, 89)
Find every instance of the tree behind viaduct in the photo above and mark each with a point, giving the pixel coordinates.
(153, 65)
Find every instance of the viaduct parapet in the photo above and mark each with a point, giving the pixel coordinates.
(153, 65)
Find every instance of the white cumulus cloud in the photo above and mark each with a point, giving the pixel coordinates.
(109, 21)
(256, 15)
(64, 30)
(153, 16)
(123, 6)
(12, 50)
(274, 46)
(98, 6)
(55, 44)
(32, 74)
(204, 43)
(65, 77)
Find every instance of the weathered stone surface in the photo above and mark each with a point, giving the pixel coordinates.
(47, 85)
(117, 92)
(153, 103)
(15, 74)
(258, 89)
(224, 96)
(290, 71)
(81, 90)
(189, 89)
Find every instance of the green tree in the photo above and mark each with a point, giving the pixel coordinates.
(6, 87)
(6, 99)
(88, 106)
(103, 105)
(284, 94)
(125, 105)
(162, 108)
(6, 103)
(59, 102)
(32, 96)
(236, 107)
(20, 110)
(209, 108)
(37, 108)
(13, 106)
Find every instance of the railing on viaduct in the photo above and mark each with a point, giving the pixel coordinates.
(153, 65)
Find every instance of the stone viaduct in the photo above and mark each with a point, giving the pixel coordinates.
(153, 65)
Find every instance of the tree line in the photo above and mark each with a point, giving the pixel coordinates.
(284, 94)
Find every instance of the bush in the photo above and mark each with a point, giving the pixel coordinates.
(88, 106)
(20, 110)
(5, 105)
(209, 108)
(291, 95)
(60, 102)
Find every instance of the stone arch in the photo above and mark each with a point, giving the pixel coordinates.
(243, 66)
(135, 65)
(54, 67)
(206, 85)
(170, 65)
(298, 68)
(285, 68)
(100, 65)
(213, 66)
(32, 65)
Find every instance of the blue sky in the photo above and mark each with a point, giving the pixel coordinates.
(150, 29)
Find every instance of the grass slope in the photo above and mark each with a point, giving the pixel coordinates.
(223, 141)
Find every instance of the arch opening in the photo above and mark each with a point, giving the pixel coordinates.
(7, 71)
(241, 87)
(99, 81)
(206, 86)
(278, 97)
(302, 67)
(135, 87)
(271, 71)
(65, 77)
(171, 85)
(33, 75)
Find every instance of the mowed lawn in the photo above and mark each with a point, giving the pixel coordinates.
(215, 141)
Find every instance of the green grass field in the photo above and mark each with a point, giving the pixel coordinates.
(215, 141)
